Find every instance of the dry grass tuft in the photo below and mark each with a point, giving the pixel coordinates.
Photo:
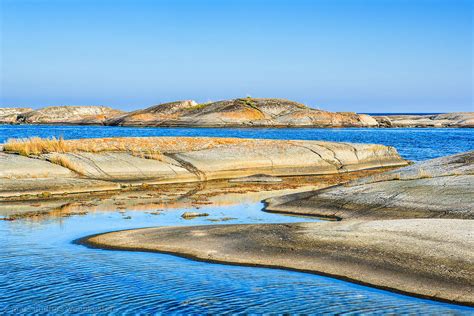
(146, 147)
(66, 163)
(35, 146)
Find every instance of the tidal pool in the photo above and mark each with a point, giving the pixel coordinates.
(44, 272)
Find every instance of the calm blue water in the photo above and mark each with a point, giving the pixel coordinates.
(412, 143)
(42, 271)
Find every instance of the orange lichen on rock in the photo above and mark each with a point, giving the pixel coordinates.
(244, 114)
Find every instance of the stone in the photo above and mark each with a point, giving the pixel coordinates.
(190, 215)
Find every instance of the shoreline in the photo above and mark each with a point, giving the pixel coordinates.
(241, 112)
(239, 126)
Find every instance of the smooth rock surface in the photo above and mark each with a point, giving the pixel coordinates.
(19, 167)
(429, 257)
(79, 115)
(195, 159)
(456, 119)
(427, 189)
(21, 175)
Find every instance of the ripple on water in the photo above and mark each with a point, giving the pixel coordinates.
(43, 272)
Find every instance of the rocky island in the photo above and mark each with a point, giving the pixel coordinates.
(247, 112)
(59, 115)
(459, 119)
(407, 230)
(243, 112)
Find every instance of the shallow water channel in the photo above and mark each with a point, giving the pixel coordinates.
(43, 271)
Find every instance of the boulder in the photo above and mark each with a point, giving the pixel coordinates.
(190, 215)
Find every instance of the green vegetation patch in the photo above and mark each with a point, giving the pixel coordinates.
(248, 101)
(198, 106)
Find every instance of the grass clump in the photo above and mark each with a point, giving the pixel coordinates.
(66, 163)
(248, 101)
(198, 106)
(35, 146)
(145, 147)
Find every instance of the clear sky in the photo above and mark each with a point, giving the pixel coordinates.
(340, 55)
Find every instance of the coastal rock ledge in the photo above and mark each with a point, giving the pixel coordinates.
(65, 166)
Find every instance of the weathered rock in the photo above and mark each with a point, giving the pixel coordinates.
(81, 115)
(240, 112)
(245, 112)
(119, 166)
(457, 119)
(10, 115)
(189, 215)
(196, 159)
(21, 175)
(428, 189)
(152, 115)
(19, 167)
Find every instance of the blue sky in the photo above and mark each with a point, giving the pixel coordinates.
(340, 55)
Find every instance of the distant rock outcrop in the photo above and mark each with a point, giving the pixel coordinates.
(244, 112)
(241, 112)
(153, 115)
(457, 119)
(10, 115)
(81, 115)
